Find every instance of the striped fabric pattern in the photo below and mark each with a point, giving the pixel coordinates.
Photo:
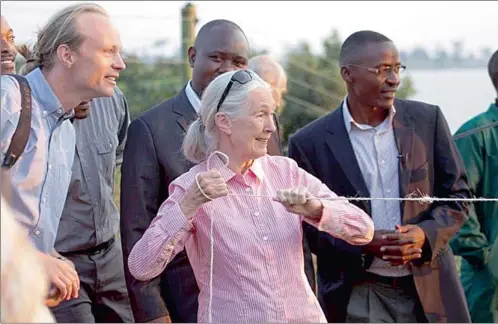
(258, 257)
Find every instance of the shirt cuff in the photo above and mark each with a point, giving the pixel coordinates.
(175, 224)
(346, 222)
(329, 223)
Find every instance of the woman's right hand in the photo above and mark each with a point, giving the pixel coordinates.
(212, 184)
(209, 186)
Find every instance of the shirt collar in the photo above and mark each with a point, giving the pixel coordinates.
(493, 109)
(349, 121)
(218, 162)
(194, 99)
(257, 169)
(45, 96)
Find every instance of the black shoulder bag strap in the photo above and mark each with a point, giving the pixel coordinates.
(21, 134)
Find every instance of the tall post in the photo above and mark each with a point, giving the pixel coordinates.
(189, 20)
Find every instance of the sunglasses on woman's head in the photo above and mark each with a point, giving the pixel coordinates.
(241, 77)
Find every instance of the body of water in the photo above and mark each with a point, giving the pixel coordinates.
(460, 93)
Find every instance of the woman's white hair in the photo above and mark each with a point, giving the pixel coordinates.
(202, 135)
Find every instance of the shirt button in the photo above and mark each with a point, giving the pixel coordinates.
(44, 113)
(388, 190)
(59, 111)
(37, 232)
(248, 189)
(50, 166)
(383, 161)
(44, 199)
(265, 238)
(256, 214)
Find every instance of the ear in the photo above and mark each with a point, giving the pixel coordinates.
(346, 74)
(191, 56)
(65, 55)
(224, 123)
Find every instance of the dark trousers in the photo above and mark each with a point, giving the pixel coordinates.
(378, 299)
(103, 297)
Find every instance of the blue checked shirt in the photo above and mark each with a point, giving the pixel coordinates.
(40, 178)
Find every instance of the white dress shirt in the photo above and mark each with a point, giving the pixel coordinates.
(194, 99)
(377, 155)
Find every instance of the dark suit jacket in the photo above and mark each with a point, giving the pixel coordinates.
(430, 163)
(152, 160)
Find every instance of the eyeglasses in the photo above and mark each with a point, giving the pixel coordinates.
(241, 77)
(385, 70)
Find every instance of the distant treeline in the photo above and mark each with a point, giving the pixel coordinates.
(421, 58)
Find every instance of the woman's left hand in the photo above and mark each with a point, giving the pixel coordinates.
(299, 201)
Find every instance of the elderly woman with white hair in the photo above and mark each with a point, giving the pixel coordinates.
(238, 213)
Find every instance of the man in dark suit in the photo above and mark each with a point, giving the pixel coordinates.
(153, 159)
(376, 146)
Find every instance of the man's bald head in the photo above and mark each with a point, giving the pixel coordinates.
(220, 46)
(493, 69)
(273, 73)
(208, 30)
(269, 70)
(355, 46)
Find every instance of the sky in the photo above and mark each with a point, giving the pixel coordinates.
(276, 26)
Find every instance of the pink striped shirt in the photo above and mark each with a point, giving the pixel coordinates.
(258, 273)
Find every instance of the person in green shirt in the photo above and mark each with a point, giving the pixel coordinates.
(477, 141)
(493, 259)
